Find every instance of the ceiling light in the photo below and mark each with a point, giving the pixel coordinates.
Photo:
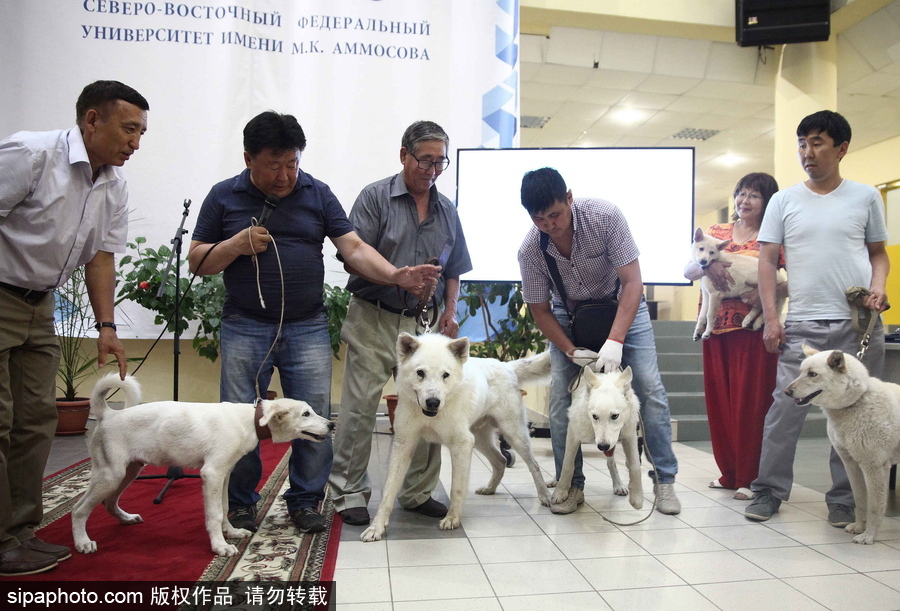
(532, 122)
(693, 133)
(628, 116)
(729, 159)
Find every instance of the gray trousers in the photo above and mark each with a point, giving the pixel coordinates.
(371, 337)
(785, 419)
(29, 358)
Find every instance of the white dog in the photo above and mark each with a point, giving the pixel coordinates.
(745, 272)
(208, 436)
(863, 421)
(604, 411)
(446, 397)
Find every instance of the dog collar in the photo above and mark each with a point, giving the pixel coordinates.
(262, 432)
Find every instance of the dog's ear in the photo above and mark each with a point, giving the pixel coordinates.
(459, 348)
(624, 379)
(809, 351)
(723, 244)
(592, 379)
(272, 411)
(837, 362)
(698, 235)
(406, 346)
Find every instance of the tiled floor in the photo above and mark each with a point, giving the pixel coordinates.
(513, 554)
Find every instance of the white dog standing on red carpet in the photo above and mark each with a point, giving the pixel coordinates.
(206, 436)
(446, 397)
(863, 421)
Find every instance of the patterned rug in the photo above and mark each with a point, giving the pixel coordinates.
(275, 553)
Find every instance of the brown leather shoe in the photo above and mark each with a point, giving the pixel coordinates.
(60, 552)
(23, 561)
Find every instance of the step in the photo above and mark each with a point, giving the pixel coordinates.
(678, 343)
(680, 361)
(682, 381)
(687, 404)
(696, 427)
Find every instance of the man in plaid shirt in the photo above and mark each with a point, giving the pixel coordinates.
(593, 248)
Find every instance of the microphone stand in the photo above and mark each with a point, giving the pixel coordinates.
(173, 473)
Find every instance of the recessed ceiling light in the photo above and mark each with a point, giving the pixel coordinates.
(628, 116)
(729, 159)
(693, 133)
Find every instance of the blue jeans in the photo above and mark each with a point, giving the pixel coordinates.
(640, 354)
(303, 358)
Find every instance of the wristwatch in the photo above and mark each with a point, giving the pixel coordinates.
(100, 325)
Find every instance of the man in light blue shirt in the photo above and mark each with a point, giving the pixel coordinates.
(834, 236)
(63, 205)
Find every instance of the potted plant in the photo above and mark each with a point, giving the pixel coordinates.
(139, 277)
(77, 359)
(507, 339)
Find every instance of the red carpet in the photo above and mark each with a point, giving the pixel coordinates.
(170, 545)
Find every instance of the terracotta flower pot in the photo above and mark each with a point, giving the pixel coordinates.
(73, 416)
(391, 401)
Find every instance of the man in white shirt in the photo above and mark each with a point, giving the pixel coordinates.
(834, 235)
(63, 205)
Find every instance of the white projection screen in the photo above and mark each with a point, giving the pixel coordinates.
(654, 188)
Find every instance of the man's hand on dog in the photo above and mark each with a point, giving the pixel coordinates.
(582, 356)
(717, 272)
(751, 297)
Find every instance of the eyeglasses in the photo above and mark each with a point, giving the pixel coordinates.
(439, 165)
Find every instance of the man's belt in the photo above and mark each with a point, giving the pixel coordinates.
(407, 312)
(29, 294)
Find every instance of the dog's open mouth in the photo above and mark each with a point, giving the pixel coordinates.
(316, 437)
(807, 398)
(431, 413)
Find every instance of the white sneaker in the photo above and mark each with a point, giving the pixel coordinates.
(666, 501)
(575, 498)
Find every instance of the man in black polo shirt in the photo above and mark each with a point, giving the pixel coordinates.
(308, 212)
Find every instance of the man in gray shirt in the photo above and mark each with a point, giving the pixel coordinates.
(407, 221)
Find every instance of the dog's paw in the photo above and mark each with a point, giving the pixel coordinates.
(485, 490)
(855, 528)
(866, 538)
(559, 496)
(375, 532)
(130, 518)
(706, 335)
(544, 498)
(636, 500)
(620, 490)
(552, 483)
(696, 337)
(236, 533)
(449, 523)
(86, 547)
(225, 549)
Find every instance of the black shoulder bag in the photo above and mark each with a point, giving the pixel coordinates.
(592, 320)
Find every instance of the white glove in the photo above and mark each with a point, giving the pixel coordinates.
(582, 357)
(610, 357)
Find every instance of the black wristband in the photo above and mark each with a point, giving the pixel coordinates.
(100, 325)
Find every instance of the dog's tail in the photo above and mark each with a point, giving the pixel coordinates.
(111, 382)
(534, 369)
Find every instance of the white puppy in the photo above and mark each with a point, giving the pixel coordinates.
(744, 270)
(446, 397)
(863, 421)
(208, 436)
(604, 411)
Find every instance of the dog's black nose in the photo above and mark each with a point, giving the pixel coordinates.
(789, 392)
(331, 426)
(603, 447)
(432, 403)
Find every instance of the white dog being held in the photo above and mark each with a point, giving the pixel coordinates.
(446, 397)
(604, 411)
(208, 436)
(863, 421)
(744, 269)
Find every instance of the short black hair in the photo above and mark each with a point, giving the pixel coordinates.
(826, 121)
(100, 94)
(758, 181)
(271, 130)
(541, 189)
